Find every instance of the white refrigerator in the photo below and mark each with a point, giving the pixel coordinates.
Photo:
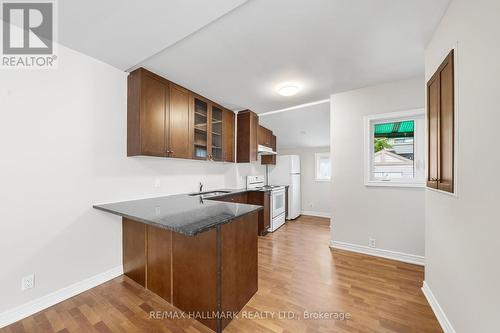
(287, 172)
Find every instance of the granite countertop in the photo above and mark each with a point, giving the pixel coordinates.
(182, 213)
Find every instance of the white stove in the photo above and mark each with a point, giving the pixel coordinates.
(278, 195)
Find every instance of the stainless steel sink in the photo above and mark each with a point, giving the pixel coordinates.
(209, 193)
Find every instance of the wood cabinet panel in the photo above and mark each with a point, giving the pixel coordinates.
(134, 114)
(270, 159)
(264, 216)
(159, 248)
(179, 120)
(247, 136)
(195, 285)
(433, 123)
(264, 136)
(239, 261)
(134, 250)
(228, 135)
(440, 117)
(153, 116)
(446, 129)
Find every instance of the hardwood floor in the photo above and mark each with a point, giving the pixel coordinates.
(297, 272)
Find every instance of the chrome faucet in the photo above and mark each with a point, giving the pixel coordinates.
(201, 187)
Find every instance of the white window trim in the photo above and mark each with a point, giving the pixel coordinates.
(316, 157)
(369, 122)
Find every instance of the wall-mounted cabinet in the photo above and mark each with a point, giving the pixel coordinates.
(268, 139)
(228, 127)
(440, 117)
(270, 159)
(167, 120)
(216, 118)
(201, 128)
(265, 136)
(247, 136)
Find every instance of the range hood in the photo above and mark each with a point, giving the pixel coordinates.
(263, 150)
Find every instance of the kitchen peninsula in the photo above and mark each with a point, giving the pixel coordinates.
(199, 255)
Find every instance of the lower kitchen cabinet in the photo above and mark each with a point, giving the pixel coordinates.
(215, 271)
(259, 198)
(262, 199)
(236, 198)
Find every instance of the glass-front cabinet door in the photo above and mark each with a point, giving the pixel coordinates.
(200, 129)
(216, 134)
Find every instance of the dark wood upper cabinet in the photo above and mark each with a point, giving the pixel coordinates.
(201, 127)
(440, 126)
(216, 133)
(270, 159)
(247, 136)
(265, 136)
(146, 110)
(228, 135)
(167, 120)
(179, 120)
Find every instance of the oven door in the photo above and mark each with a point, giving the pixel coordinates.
(277, 203)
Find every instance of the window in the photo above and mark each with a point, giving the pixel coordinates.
(394, 149)
(323, 167)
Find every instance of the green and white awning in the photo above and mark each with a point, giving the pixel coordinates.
(395, 130)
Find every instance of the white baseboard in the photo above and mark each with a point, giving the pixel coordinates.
(438, 311)
(22, 311)
(317, 214)
(388, 254)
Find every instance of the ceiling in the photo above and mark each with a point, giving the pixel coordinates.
(300, 128)
(123, 33)
(327, 45)
(236, 52)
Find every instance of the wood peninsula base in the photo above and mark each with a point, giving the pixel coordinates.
(214, 272)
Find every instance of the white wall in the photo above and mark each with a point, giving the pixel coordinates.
(393, 216)
(63, 139)
(316, 195)
(462, 247)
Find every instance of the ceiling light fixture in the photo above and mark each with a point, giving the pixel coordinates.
(288, 89)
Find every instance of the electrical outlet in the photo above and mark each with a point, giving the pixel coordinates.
(157, 182)
(28, 282)
(372, 242)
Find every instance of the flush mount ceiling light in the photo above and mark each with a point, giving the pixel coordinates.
(288, 88)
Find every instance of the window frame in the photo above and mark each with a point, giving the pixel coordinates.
(418, 116)
(317, 157)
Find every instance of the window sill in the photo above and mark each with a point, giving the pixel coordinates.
(322, 180)
(393, 184)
